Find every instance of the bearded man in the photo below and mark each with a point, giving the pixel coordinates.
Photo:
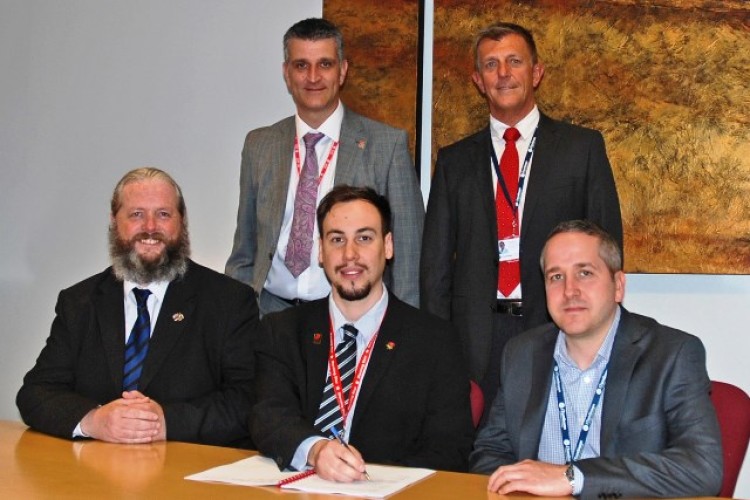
(155, 347)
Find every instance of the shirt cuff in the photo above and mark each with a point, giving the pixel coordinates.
(577, 481)
(78, 432)
(299, 460)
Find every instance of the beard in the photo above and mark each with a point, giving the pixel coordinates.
(354, 294)
(171, 264)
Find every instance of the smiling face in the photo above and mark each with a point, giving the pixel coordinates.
(353, 252)
(582, 293)
(507, 76)
(314, 75)
(148, 219)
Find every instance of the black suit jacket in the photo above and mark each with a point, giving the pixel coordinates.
(570, 178)
(199, 369)
(413, 406)
(659, 433)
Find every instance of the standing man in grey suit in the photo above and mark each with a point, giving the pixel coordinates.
(154, 347)
(484, 232)
(604, 403)
(288, 167)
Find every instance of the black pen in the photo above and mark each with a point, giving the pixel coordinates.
(337, 435)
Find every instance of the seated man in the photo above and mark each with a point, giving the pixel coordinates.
(400, 390)
(606, 403)
(155, 347)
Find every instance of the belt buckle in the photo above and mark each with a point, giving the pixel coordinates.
(511, 307)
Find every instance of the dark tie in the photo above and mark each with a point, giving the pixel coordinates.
(509, 272)
(346, 358)
(298, 250)
(137, 344)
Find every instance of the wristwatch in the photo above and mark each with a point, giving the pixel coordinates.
(570, 475)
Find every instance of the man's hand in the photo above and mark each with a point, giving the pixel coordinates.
(530, 476)
(335, 462)
(132, 419)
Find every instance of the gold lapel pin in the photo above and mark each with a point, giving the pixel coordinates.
(361, 143)
(390, 345)
(317, 337)
(178, 317)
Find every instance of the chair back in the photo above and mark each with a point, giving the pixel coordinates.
(733, 411)
(477, 403)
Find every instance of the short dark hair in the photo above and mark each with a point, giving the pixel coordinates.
(314, 28)
(609, 250)
(344, 193)
(498, 32)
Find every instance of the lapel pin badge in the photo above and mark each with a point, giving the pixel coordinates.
(178, 317)
(317, 337)
(361, 143)
(390, 345)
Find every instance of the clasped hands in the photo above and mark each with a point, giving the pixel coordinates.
(335, 462)
(132, 419)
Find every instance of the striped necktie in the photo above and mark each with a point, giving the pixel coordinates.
(346, 358)
(137, 344)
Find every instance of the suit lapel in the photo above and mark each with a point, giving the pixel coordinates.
(176, 317)
(480, 161)
(626, 352)
(109, 308)
(315, 340)
(352, 144)
(281, 155)
(543, 161)
(390, 331)
(536, 407)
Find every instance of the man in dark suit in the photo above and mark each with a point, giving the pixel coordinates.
(402, 397)
(155, 347)
(603, 403)
(555, 172)
(275, 241)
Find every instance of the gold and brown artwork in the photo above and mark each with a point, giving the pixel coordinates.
(381, 41)
(665, 81)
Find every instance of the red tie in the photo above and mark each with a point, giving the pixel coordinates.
(509, 272)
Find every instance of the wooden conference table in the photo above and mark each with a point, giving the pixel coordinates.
(34, 465)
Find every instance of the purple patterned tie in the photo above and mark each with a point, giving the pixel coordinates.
(297, 257)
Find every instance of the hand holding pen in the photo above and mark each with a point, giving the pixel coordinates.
(340, 438)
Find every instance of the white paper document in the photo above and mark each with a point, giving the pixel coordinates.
(262, 471)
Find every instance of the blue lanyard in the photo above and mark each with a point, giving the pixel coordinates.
(522, 175)
(570, 456)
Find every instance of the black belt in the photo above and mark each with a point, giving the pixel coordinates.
(293, 302)
(512, 307)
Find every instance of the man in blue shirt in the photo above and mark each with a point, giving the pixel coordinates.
(604, 402)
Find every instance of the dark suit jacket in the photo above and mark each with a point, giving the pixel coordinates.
(570, 178)
(659, 433)
(200, 369)
(370, 154)
(413, 405)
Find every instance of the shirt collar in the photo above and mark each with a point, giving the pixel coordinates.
(367, 325)
(331, 127)
(158, 289)
(602, 355)
(526, 126)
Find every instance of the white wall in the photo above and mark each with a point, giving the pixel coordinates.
(92, 88)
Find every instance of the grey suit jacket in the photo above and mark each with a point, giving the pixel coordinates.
(570, 178)
(370, 154)
(200, 367)
(659, 433)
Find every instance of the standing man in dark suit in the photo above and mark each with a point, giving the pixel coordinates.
(281, 183)
(603, 403)
(484, 232)
(155, 347)
(403, 392)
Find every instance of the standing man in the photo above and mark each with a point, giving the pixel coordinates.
(400, 391)
(155, 347)
(288, 167)
(603, 403)
(497, 194)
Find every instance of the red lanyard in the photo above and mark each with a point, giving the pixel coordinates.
(325, 165)
(333, 366)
